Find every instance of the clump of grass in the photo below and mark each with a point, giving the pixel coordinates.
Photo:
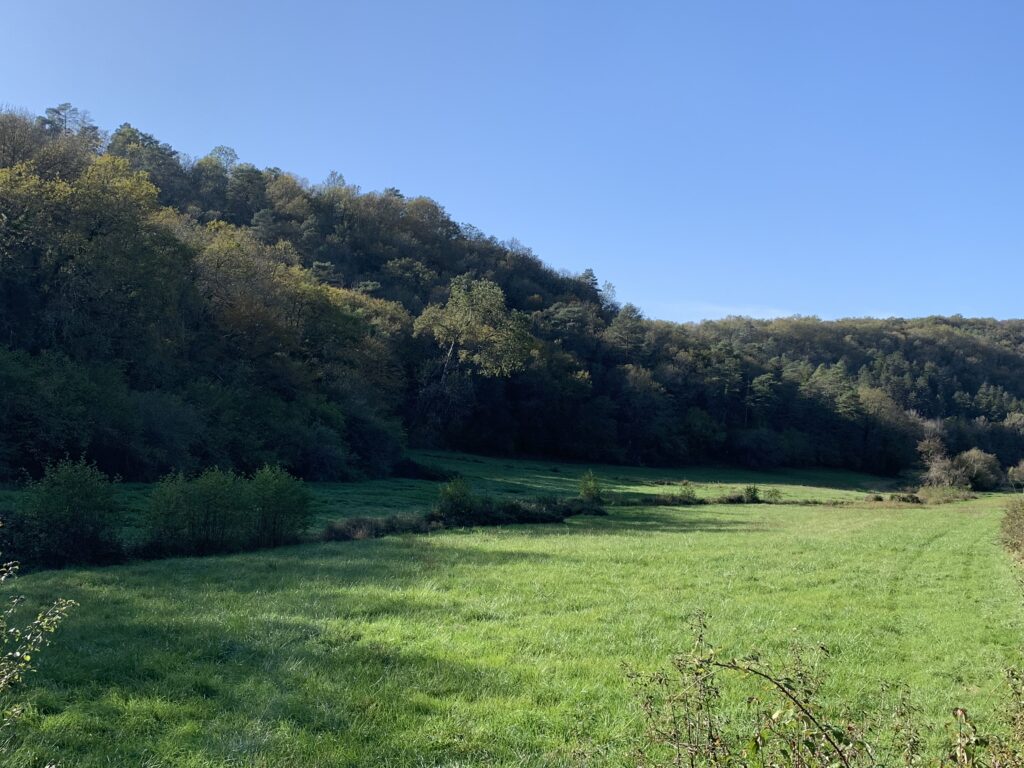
(905, 498)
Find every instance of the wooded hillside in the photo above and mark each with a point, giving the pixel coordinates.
(160, 313)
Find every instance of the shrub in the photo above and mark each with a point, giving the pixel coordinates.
(199, 516)
(1013, 525)
(220, 511)
(751, 495)
(974, 469)
(457, 507)
(772, 496)
(358, 528)
(563, 508)
(590, 488)
(980, 470)
(1015, 475)
(729, 498)
(486, 511)
(938, 494)
(905, 498)
(19, 644)
(280, 505)
(684, 497)
(69, 516)
(455, 501)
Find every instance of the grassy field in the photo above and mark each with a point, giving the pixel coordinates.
(506, 646)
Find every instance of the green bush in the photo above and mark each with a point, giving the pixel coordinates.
(67, 517)
(684, 497)
(455, 501)
(280, 505)
(199, 516)
(220, 511)
(590, 488)
(751, 495)
(730, 498)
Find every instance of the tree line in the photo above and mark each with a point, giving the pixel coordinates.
(161, 313)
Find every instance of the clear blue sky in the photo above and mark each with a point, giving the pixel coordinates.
(708, 158)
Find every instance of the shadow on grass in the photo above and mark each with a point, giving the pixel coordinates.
(637, 522)
(262, 658)
(251, 649)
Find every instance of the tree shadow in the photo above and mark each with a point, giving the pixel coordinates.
(644, 521)
(260, 690)
(244, 659)
(257, 647)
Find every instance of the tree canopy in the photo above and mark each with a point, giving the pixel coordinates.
(162, 313)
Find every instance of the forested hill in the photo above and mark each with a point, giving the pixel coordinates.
(160, 313)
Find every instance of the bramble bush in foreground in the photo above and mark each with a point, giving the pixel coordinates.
(19, 645)
(786, 727)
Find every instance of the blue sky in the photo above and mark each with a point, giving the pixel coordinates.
(708, 158)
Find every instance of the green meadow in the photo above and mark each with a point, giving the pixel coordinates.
(509, 646)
